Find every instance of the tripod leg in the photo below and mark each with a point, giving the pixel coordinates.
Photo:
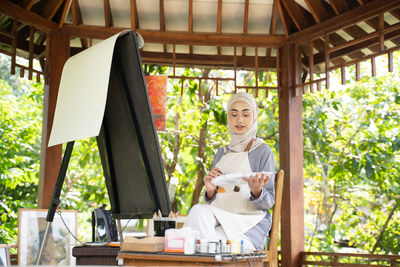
(56, 196)
(43, 244)
(121, 237)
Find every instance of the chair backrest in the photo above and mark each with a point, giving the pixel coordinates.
(276, 213)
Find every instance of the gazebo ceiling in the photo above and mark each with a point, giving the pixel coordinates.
(206, 32)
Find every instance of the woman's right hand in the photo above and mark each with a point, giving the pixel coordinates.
(210, 187)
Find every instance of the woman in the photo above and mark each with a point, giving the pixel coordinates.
(238, 211)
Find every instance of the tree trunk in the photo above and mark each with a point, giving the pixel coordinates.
(204, 97)
(201, 170)
(384, 228)
(171, 168)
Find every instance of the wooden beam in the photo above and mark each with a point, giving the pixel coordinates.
(31, 48)
(162, 21)
(219, 23)
(64, 13)
(134, 16)
(327, 60)
(219, 17)
(77, 19)
(339, 6)
(50, 8)
(373, 22)
(317, 10)
(356, 46)
(390, 61)
(224, 61)
(50, 162)
(27, 4)
(284, 19)
(20, 44)
(336, 40)
(245, 23)
(373, 67)
(291, 158)
(272, 24)
(381, 26)
(351, 17)
(76, 13)
(13, 42)
(175, 37)
(311, 64)
(358, 73)
(357, 33)
(343, 75)
(365, 58)
(27, 17)
(297, 13)
(108, 20)
(190, 23)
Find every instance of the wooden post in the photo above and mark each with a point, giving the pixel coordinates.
(50, 158)
(291, 157)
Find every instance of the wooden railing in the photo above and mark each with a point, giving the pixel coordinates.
(347, 259)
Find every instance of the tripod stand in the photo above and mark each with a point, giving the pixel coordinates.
(55, 201)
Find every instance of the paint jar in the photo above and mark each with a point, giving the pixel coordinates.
(212, 247)
(203, 246)
(235, 247)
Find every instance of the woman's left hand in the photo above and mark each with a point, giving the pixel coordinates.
(256, 182)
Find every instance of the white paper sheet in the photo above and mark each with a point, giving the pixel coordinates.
(82, 93)
(233, 178)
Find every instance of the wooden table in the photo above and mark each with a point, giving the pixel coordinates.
(95, 255)
(175, 259)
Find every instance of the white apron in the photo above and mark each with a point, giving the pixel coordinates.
(233, 210)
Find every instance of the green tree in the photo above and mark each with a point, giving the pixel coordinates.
(351, 165)
(20, 145)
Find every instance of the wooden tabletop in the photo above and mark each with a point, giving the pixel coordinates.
(135, 258)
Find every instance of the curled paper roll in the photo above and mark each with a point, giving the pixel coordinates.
(234, 178)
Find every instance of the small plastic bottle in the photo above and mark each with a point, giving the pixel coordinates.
(228, 246)
(198, 246)
(219, 244)
(241, 246)
(223, 246)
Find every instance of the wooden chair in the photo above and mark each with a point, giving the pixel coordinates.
(272, 248)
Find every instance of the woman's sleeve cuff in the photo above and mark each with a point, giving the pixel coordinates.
(255, 199)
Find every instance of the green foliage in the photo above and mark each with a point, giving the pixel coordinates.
(84, 187)
(351, 154)
(351, 165)
(20, 145)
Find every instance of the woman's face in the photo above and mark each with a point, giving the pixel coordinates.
(240, 117)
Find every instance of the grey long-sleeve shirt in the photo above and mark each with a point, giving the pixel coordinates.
(261, 159)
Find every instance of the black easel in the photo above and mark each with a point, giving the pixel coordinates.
(128, 144)
(55, 201)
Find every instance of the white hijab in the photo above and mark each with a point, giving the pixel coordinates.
(239, 141)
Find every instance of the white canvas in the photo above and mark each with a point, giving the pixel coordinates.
(83, 92)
